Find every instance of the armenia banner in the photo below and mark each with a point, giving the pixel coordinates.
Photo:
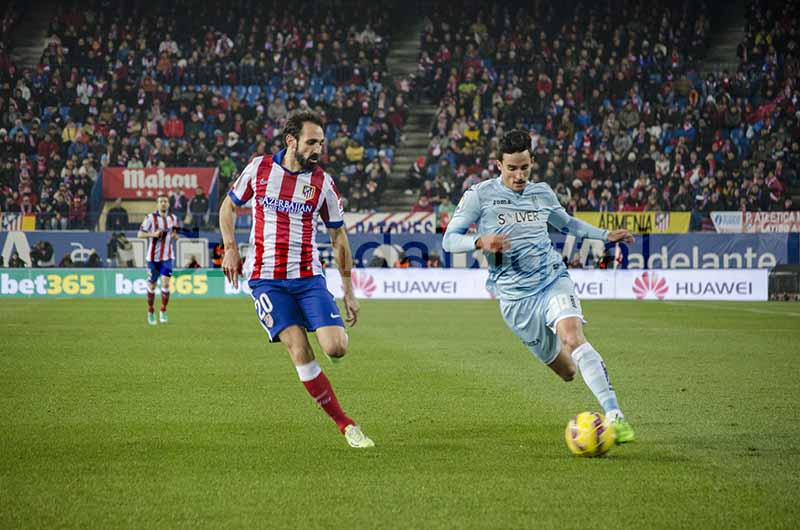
(639, 222)
(10, 222)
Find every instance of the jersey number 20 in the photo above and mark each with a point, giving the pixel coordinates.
(263, 306)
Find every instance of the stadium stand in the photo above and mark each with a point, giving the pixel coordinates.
(622, 114)
(619, 114)
(132, 85)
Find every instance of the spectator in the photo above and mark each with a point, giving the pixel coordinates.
(94, 260)
(124, 251)
(218, 254)
(414, 176)
(433, 261)
(173, 128)
(227, 170)
(15, 262)
(378, 262)
(444, 212)
(354, 151)
(117, 217)
(423, 205)
(78, 214)
(42, 254)
(402, 262)
(575, 263)
(198, 207)
(60, 220)
(178, 204)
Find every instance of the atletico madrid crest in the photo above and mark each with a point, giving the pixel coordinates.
(309, 191)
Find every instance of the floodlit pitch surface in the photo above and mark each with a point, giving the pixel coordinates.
(109, 423)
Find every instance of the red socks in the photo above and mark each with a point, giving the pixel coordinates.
(320, 389)
(151, 296)
(164, 298)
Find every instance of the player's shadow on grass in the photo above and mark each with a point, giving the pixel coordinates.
(547, 439)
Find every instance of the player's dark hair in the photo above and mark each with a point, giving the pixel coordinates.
(514, 141)
(294, 125)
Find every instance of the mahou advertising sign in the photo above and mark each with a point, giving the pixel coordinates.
(149, 182)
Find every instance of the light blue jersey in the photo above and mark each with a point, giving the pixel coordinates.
(532, 264)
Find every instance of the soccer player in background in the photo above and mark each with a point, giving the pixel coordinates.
(160, 227)
(537, 296)
(288, 192)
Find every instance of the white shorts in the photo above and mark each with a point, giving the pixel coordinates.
(534, 318)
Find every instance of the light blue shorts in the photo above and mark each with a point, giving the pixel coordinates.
(533, 319)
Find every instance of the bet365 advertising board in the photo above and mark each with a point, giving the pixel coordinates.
(408, 284)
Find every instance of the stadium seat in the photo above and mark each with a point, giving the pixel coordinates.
(253, 93)
(328, 92)
(315, 88)
(330, 131)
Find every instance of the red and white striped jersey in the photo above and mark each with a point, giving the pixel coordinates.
(285, 208)
(160, 248)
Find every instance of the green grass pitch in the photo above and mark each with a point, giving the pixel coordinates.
(108, 423)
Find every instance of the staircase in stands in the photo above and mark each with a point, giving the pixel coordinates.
(403, 60)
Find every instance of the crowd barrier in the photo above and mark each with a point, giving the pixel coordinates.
(402, 284)
(653, 251)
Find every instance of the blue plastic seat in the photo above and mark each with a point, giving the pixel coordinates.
(328, 92)
(331, 130)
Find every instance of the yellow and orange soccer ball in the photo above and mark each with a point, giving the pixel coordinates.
(590, 434)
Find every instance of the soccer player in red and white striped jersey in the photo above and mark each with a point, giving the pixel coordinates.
(288, 192)
(160, 227)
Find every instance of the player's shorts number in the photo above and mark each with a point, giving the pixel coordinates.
(263, 306)
(562, 302)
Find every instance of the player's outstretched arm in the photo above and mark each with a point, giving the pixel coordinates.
(467, 213)
(344, 259)
(232, 261)
(581, 229)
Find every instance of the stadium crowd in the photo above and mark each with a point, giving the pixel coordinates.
(179, 84)
(619, 115)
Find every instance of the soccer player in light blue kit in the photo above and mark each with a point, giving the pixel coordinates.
(537, 296)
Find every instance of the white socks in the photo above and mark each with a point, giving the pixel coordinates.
(308, 371)
(594, 374)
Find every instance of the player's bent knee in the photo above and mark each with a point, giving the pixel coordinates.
(568, 373)
(336, 348)
(333, 343)
(571, 341)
